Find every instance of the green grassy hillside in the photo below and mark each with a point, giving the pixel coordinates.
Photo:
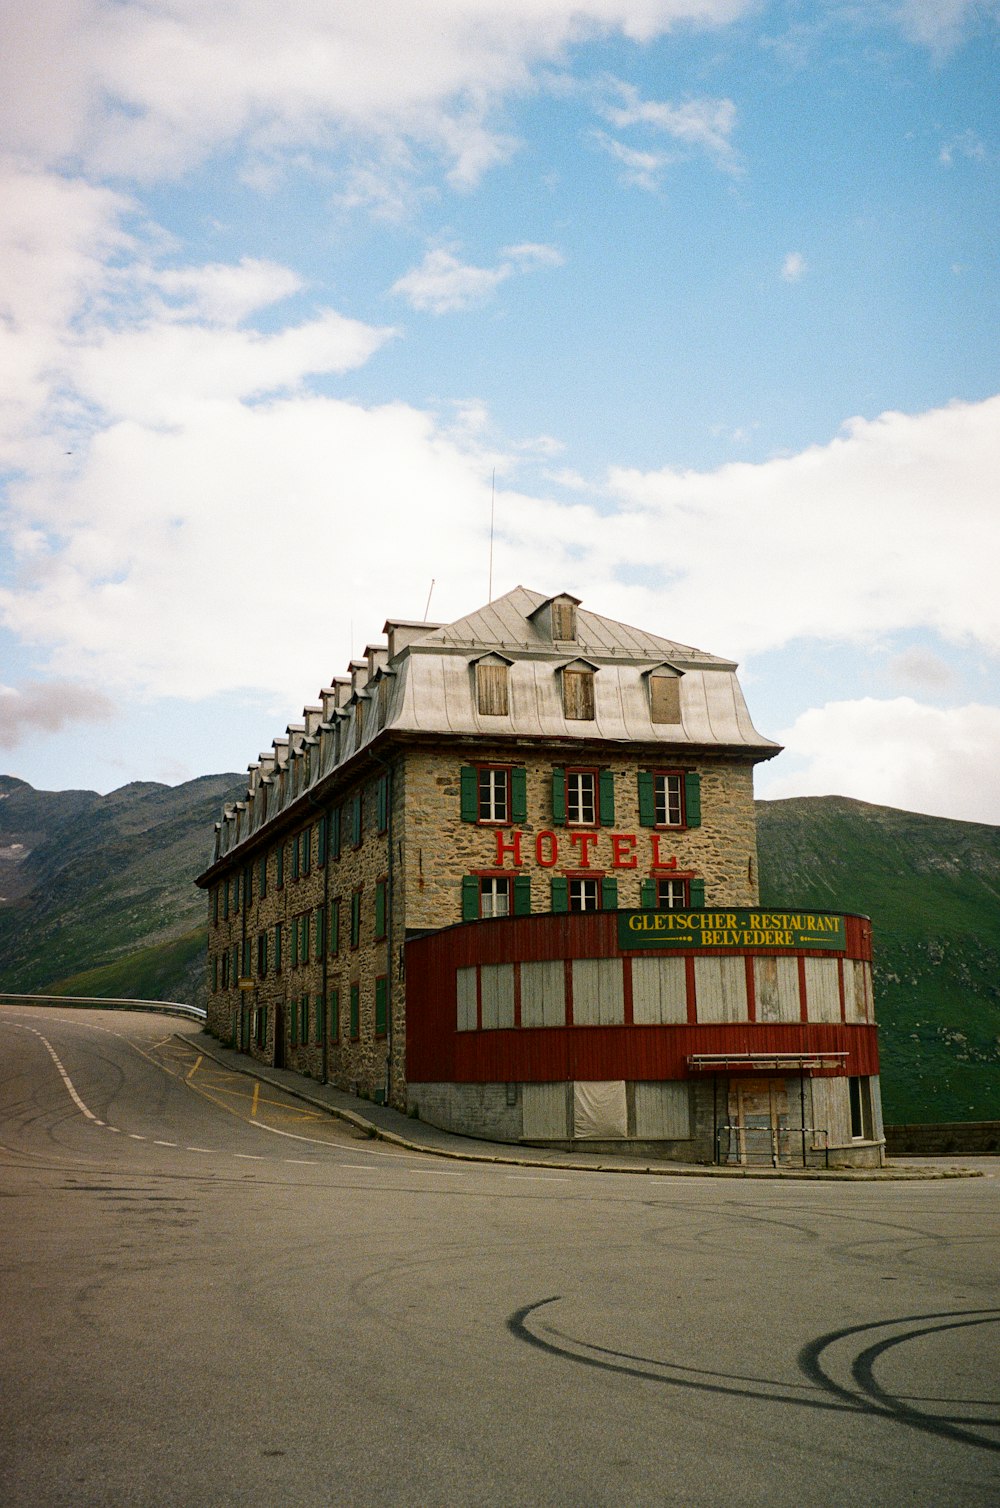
(932, 889)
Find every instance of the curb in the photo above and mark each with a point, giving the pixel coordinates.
(675, 1170)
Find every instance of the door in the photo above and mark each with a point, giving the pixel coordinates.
(758, 1115)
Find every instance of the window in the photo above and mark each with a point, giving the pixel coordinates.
(563, 620)
(668, 895)
(584, 895)
(581, 797)
(669, 798)
(380, 907)
(355, 918)
(381, 1005)
(245, 959)
(335, 833)
(494, 896)
(492, 698)
(578, 695)
(664, 698)
(861, 1109)
(261, 954)
(493, 793)
(355, 1012)
(296, 856)
(305, 1020)
(304, 937)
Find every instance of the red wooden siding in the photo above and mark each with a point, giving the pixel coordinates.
(438, 1053)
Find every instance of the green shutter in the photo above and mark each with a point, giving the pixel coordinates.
(647, 801)
(277, 947)
(334, 1015)
(355, 918)
(380, 909)
(320, 1018)
(296, 853)
(356, 821)
(697, 893)
(470, 898)
(560, 893)
(334, 944)
(295, 941)
(295, 1023)
(380, 1007)
(262, 884)
(519, 794)
(383, 804)
(320, 931)
(522, 895)
(335, 834)
(305, 1020)
(469, 794)
(281, 865)
(692, 799)
(606, 789)
(559, 796)
(321, 841)
(647, 895)
(355, 1010)
(609, 893)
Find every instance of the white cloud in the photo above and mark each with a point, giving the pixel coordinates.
(223, 293)
(48, 707)
(148, 90)
(896, 753)
(921, 670)
(793, 267)
(704, 123)
(642, 169)
(442, 284)
(940, 24)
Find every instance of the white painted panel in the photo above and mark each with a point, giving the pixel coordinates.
(822, 989)
(776, 987)
(465, 984)
(598, 992)
(543, 994)
(663, 1110)
(600, 1110)
(721, 989)
(659, 991)
(544, 1112)
(498, 995)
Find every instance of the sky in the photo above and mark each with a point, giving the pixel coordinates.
(691, 304)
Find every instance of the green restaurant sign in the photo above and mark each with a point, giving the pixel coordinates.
(730, 929)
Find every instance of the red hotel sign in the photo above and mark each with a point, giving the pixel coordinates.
(577, 850)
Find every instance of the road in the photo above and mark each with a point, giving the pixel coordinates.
(213, 1294)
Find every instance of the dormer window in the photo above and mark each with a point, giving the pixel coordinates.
(564, 618)
(578, 691)
(492, 690)
(664, 695)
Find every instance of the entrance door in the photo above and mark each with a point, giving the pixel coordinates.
(758, 1114)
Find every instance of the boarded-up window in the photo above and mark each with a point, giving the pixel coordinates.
(659, 991)
(563, 620)
(465, 985)
(498, 995)
(543, 994)
(721, 989)
(491, 690)
(578, 695)
(600, 1110)
(663, 1110)
(822, 989)
(665, 698)
(543, 1112)
(776, 985)
(598, 992)
(857, 990)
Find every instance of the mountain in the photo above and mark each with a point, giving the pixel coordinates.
(97, 891)
(932, 889)
(97, 898)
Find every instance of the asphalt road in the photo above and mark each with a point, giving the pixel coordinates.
(214, 1295)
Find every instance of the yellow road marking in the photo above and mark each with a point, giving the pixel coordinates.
(256, 1097)
(197, 1064)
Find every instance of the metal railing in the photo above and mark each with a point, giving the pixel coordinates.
(106, 1003)
(772, 1146)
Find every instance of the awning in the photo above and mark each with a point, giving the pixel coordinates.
(764, 1062)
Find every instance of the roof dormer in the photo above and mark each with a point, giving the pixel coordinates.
(555, 619)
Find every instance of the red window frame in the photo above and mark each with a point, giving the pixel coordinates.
(669, 826)
(595, 777)
(493, 769)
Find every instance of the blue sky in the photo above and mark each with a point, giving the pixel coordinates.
(709, 286)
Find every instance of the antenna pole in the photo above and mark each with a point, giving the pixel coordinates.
(493, 504)
(428, 607)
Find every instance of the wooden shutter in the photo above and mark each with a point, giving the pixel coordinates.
(692, 799)
(560, 893)
(470, 793)
(647, 895)
(578, 695)
(519, 794)
(697, 893)
(382, 800)
(522, 895)
(491, 690)
(335, 834)
(470, 898)
(665, 698)
(609, 893)
(277, 947)
(334, 938)
(606, 797)
(320, 931)
(321, 841)
(647, 800)
(559, 796)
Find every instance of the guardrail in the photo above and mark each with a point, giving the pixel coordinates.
(105, 1003)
